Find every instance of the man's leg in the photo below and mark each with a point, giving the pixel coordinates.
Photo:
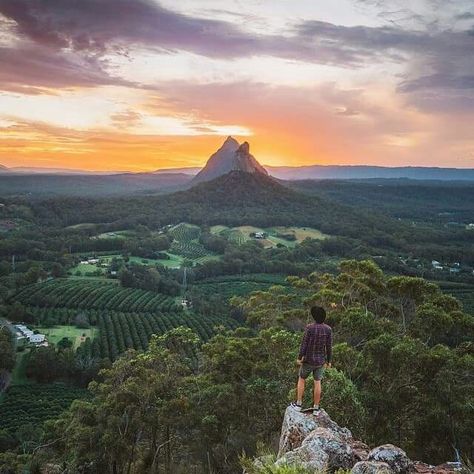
(317, 392)
(300, 390)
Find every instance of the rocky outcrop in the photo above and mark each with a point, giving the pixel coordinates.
(317, 443)
(392, 455)
(230, 157)
(297, 426)
(371, 467)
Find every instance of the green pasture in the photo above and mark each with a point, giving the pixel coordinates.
(274, 237)
(56, 333)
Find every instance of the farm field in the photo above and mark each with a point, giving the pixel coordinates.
(113, 332)
(186, 242)
(461, 291)
(238, 286)
(56, 333)
(121, 331)
(274, 237)
(83, 294)
(32, 404)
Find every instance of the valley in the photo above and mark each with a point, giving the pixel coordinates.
(218, 276)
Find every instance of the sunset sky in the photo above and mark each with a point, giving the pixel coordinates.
(147, 84)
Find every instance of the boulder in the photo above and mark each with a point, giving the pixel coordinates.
(371, 467)
(340, 454)
(297, 426)
(394, 456)
(360, 450)
(305, 457)
(318, 444)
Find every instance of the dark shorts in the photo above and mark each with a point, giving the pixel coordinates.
(306, 369)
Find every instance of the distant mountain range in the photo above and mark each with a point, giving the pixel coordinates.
(60, 171)
(232, 156)
(370, 172)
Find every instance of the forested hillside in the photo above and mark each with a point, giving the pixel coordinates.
(180, 315)
(403, 361)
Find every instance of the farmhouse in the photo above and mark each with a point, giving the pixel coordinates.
(37, 338)
(24, 330)
(25, 333)
(436, 265)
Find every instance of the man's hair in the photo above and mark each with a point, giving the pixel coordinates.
(318, 313)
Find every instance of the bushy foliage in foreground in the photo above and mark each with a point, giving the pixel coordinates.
(408, 348)
(404, 360)
(164, 411)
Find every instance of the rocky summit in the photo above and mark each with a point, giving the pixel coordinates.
(316, 443)
(231, 156)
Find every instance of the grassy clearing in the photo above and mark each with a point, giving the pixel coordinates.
(301, 233)
(116, 234)
(90, 270)
(275, 235)
(174, 261)
(56, 333)
(84, 225)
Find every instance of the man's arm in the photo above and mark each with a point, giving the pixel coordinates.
(329, 347)
(304, 345)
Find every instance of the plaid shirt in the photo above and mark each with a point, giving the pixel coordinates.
(316, 346)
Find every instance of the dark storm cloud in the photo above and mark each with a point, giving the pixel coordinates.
(436, 59)
(104, 25)
(32, 69)
(100, 24)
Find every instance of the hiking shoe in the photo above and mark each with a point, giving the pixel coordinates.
(295, 406)
(316, 409)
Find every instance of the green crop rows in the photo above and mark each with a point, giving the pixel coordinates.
(83, 294)
(186, 241)
(32, 404)
(234, 288)
(122, 331)
(234, 235)
(189, 249)
(185, 232)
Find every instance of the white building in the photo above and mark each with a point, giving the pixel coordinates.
(30, 335)
(436, 265)
(37, 338)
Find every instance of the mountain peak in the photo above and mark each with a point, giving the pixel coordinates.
(230, 143)
(244, 148)
(231, 156)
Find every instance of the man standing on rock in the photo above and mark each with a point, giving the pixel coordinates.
(315, 354)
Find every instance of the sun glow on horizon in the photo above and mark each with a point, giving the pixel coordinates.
(346, 83)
